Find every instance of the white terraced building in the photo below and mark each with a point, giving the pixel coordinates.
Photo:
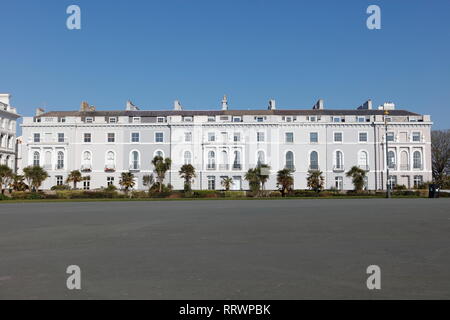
(226, 143)
(8, 118)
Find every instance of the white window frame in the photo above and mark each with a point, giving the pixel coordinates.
(359, 136)
(85, 135)
(89, 120)
(138, 137)
(260, 135)
(136, 119)
(156, 137)
(415, 133)
(342, 136)
(188, 137)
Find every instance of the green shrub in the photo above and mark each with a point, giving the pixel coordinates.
(275, 194)
(60, 188)
(87, 194)
(27, 195)
(3, 197)
(139, 194)
(207, 194)
(234, 194)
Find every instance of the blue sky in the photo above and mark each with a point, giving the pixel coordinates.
(154, 52)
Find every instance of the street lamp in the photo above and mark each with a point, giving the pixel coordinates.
(388, 186)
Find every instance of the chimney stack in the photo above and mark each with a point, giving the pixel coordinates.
(224, 103)
(387, 106)
(272, 104)
(39, 112)
(319, 105)
(85, 107)
(131, 106)
(177, 106)
(4, 98)
(366, 105)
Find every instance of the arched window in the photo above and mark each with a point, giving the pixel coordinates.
(187, 157)
(135, 163)
(87, 161)
(237, 160)
(60, 161)
(211, 160)
(339, 160)
(314, 161)
(224, 161)
(261, 158)
(36, 159)
(110, 160)
(290, 160)
(391, 160)
(363, 160)
(159, 153)
(417, 160)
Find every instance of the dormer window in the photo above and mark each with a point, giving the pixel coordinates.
(224, 118)
(260, 119)
(211, 119)
(62, 120)
(361, 119)
(237, 119)
(161, 119)
(188, 119)
(136, 119)
(312, 119)
(337, 119)
(112, 120)
(89, 120)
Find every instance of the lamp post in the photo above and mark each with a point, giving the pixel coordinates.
(388, 186)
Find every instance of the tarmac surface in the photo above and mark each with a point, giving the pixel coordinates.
(261, 249)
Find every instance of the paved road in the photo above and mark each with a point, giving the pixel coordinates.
(295, 249)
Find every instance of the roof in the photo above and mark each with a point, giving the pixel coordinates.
(165, 113)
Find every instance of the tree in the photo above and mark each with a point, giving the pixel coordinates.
(263, 172)
(315, 180)
(187, 172)
(252, 177)
(35, 175)
(148, 181)
(227, 182)
(6, 175)
(17, 183)
(440, 150)
(358, 176)
(74, 177)
(161, 167)
(285, 181)
(127, 181)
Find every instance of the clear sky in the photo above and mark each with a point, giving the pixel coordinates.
(156, 51)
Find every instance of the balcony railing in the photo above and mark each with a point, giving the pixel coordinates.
(364, 167)
(237, 166)
(314, 167)
(211, 166)
(338, 168)
(290, 167)
(418, 167)
(135, 167)
(224, 167)
(86, 168)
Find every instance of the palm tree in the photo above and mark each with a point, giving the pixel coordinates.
(263, 172)
(227, 182)
(315, 180)
(17, 183)
(148, 181)
(358, 176)
(161, 167)
(5, 177)
(35, 175)
(252, 177)
(74, 177)
(187, 172)
(285, 180)
(127, 181)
